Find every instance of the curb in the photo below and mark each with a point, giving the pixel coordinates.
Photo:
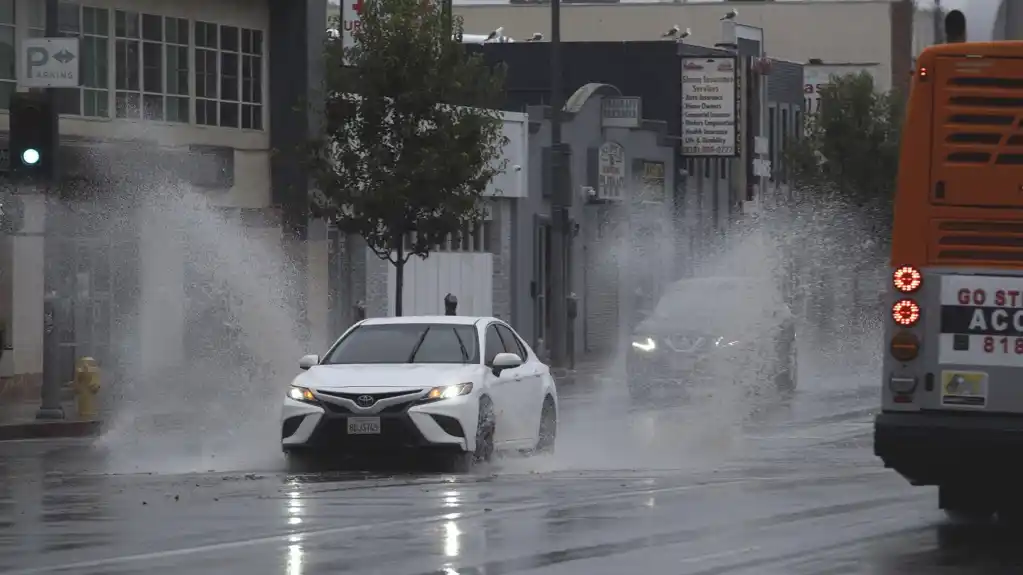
(49, 430)
(570, 376)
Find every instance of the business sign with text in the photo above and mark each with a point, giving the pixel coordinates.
(710, 111)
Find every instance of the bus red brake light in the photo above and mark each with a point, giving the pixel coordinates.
(906, 312)
(907, 279)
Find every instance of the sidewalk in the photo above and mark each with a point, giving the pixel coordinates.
(18, 421)
(587, 368)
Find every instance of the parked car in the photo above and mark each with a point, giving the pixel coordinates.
(463, 387)
(704, 331)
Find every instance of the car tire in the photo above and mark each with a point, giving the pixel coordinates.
(962, 504)
(300, 461)
(639, 394)
(486, 424)
(548, 434)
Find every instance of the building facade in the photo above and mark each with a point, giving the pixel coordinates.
(877, 31)
(174, 93)
(622, 220)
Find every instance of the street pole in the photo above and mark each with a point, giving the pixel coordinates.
(561, 202)
(939, 23)
(50, 405)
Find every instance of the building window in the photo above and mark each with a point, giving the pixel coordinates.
(8, 78)
(228, 76)
(92, 27)
(177, 105)
(252, 79)
(151, 53)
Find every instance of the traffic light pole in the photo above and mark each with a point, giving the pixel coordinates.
(561, 203)
(50, 406)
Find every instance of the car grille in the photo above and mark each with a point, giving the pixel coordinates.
(413, 396)
(686, 343)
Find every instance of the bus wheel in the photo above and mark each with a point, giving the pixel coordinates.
(965, 504)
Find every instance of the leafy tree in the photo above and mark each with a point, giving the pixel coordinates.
(851, 146)
(412, 133)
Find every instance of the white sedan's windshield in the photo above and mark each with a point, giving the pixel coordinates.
(407, 343)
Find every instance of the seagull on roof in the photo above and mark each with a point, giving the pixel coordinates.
(685, 34)
(496, 33)
(537, 37)
(671, 33)
(731, 14)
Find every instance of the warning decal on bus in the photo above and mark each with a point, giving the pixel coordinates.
(981, 321)
(964, 388)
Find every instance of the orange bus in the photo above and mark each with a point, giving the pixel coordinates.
(952, 399)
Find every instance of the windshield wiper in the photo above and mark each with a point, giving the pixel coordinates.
(415, 349)
(465, 352)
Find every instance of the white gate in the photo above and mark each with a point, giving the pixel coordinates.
(469, 276)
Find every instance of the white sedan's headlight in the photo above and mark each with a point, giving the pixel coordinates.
(301, 394)
(449, 391)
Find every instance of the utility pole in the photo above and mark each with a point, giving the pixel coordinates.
(939, 24)
(1013, 23)
(50, 406)
(561, 202)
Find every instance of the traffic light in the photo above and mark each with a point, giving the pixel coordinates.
(33, 136)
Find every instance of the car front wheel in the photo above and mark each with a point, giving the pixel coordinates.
(486, 424)
(548, 427)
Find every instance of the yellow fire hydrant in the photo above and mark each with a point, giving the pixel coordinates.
(86, 387)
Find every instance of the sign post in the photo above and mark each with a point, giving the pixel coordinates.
(49, 63)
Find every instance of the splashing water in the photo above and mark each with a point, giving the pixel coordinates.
(213, 405)
(828, 264)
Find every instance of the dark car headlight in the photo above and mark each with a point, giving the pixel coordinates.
(644, 344)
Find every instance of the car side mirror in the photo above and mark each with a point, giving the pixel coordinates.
(308, 361)
(503, 361)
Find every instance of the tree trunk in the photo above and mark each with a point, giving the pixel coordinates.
(399, 276)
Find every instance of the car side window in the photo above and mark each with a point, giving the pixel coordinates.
(511, 343)
(493, 344)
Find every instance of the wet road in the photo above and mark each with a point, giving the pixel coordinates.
(794, 490)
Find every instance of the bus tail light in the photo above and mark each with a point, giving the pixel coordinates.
(905, 346)
(905, 312)
(907, 279)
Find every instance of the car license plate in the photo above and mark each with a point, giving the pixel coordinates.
(363, 425)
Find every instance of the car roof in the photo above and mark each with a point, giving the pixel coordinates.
(420, 319)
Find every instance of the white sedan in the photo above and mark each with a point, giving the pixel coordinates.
(463, 385)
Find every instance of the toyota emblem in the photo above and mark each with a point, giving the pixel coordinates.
(365, 400)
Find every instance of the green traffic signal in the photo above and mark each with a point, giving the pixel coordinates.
(30, 157)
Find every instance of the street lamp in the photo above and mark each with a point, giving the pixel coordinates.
(561, 239)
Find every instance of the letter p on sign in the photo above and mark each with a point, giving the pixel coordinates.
(35, 58)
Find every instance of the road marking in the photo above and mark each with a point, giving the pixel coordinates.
(719, 555)
(349, 529)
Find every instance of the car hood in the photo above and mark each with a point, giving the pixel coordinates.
(404, 376)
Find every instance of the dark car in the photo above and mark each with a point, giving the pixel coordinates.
(712, 331)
